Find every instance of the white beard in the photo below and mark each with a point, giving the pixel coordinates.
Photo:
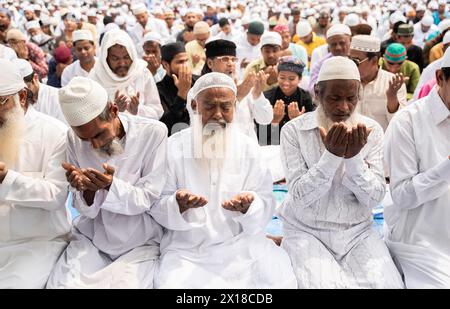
(11, 134)
(112, 149)
(209, 142)
(325, 122)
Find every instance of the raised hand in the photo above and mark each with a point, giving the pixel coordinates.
(121, 101)
(183, 81)
(240, 202)
(187, 200)
(98, 179)
(246, 86)
(278, 112)
(336, 139)
(357, 140)
(294, 111)
(395, 84)
(259, 84)
(133, 105)
(273, 74)
(152, 63)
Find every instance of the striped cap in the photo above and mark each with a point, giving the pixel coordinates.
(395, 53)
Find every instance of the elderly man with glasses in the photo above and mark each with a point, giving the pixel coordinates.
(383, 92)
(395, 61)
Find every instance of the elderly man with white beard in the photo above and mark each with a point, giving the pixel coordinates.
(217, 202)
(34, 221)
(333, 163)
(125, 77)
(116, 168)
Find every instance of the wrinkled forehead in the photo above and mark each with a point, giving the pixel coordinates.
(216, 94)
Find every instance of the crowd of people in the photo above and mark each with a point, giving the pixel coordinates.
(165, 124)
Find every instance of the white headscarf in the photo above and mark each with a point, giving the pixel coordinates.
(103, 74)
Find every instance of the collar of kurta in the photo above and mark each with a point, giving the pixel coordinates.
(308, 121)
(439, 111)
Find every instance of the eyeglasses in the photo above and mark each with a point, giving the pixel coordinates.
(357, 61)
(226, 59)
(4, 100)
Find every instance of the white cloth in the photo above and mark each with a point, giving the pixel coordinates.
(421, 37)
(118, 221)
(33, 218)
(428, 74)
(246, 51)
(318, 54)
(327, 214)
(139, 79)
(7, 53)
(72, 71)
(210, 246)
(373, 103)
(249, 110)
(417, 150)
(48, 102)
(153, 24)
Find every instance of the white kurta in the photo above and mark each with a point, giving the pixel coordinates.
(428, 74)
(421, 37)
(34, 221)
(72, 71)
(153, 24)
(116, 241)
(327, 214)
(246, 51)
(48, 102)
(373, 103)
(417, 150)
(211, 247)
(7, 53)
(249, 110)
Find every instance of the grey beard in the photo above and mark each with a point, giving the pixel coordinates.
(111, 149)
(324, 121)
(11, 134)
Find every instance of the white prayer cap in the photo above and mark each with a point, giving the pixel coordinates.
(271, 38)
(443, 25)
(366, 43)
(152, 36)
(138, 8)
(427, 20)
(396, 17)
(446, 38)
(442, 2)
(421, 7)
(201, 27)
(338, 29)
(29, 8)
(352, 20)
(92, 13)
(213, 80)
(11, 80)
(32, 25)
(119, 20)
(82, 100)
(24, 67)
(338, 68)
(303, 28)
(245, 20)
(79, 35)
(110, 26)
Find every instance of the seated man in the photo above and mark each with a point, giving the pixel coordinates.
(33, 219)
(116, 170)
(333, 164)
(217, 202)
(125, 77)
(417, 152)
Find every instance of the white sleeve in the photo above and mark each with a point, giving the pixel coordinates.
(261, 109)
(65, 77)
(306, 184)
(150, 103)
(411, 188)
(47, 192)
(364, 176)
